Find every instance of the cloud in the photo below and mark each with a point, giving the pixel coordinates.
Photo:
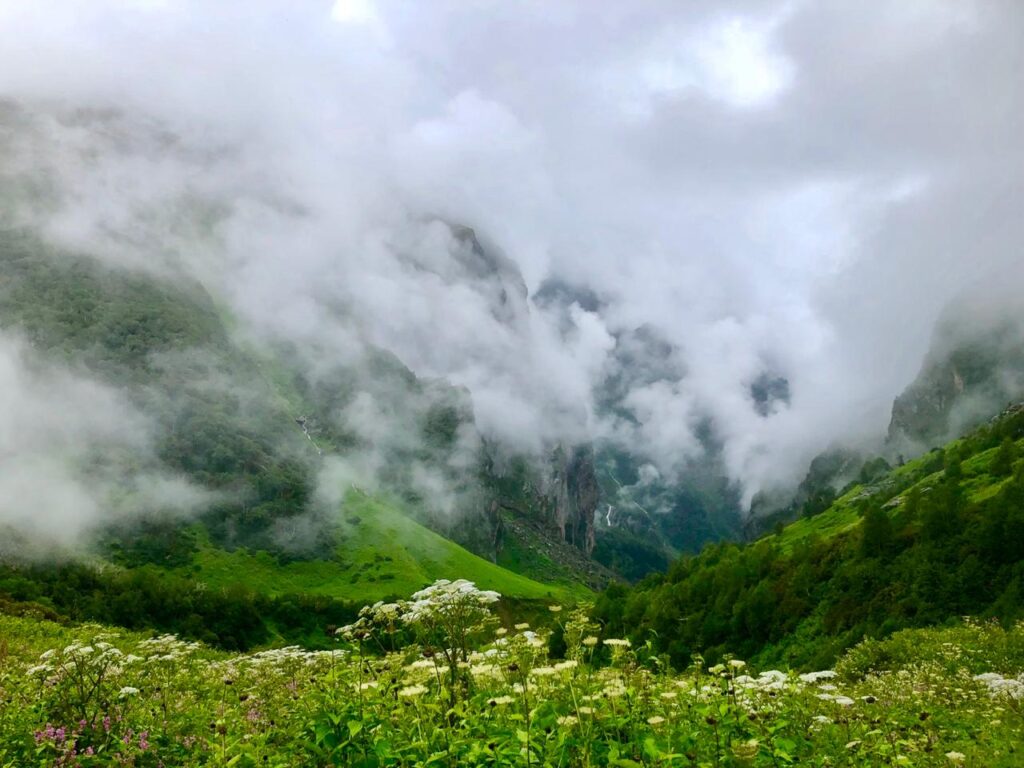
(790, 188)
(75, 456)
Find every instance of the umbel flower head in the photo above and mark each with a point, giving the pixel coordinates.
(445, 603)
(445, 597)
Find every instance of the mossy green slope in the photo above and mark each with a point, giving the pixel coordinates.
(931, 541)
(979, 484)
(225, 413)
(381, 553)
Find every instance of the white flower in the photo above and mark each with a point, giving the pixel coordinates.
(615, 642)
(128, 691)
(956, 757)
(737, 663)
(813, 677)
(655, 720)
(413, 690)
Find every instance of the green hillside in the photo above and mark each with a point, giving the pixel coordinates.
(248, 423)
(979, 484)
(382, 553)
(246, 598)
(936, 539)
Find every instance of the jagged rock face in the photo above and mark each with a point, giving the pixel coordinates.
(576, 496)
(965, 379)
(559, 499)
(921, 412)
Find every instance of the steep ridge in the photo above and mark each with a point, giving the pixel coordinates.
(251, 426)
(975, 366)
(935, 539)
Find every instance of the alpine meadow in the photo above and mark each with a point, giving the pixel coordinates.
(547, 384)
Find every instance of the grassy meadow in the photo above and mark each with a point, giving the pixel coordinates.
(438, 680)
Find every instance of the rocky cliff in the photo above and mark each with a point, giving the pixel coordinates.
(972, 370)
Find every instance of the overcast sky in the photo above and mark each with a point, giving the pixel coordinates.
(790, 187)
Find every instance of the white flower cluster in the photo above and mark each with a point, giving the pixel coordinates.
(166, 648)
(442, 599)
(445, 597)
(842, 701)
(1011, 687)
(813, 677)
(100, 655)
(772, 680)
(614, 642)
(291, 655)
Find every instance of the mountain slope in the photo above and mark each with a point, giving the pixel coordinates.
(975, 365)
(264, 438)
(936, 539)
(381, 553)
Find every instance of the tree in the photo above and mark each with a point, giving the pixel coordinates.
(1002, 464)
(953, 466)
(909, 510)
(876, 533)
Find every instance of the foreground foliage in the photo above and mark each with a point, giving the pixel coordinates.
(459, 690)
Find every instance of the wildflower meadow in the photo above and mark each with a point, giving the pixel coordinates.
(437, 680)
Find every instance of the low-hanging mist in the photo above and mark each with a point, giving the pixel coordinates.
(716, 180)
(77, 456)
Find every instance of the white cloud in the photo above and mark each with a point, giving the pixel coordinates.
(797, 187)
(76, 455)
(739, 64)
(354, 11)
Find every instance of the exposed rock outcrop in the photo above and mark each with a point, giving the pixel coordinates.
(971, 371)
(576, 496)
